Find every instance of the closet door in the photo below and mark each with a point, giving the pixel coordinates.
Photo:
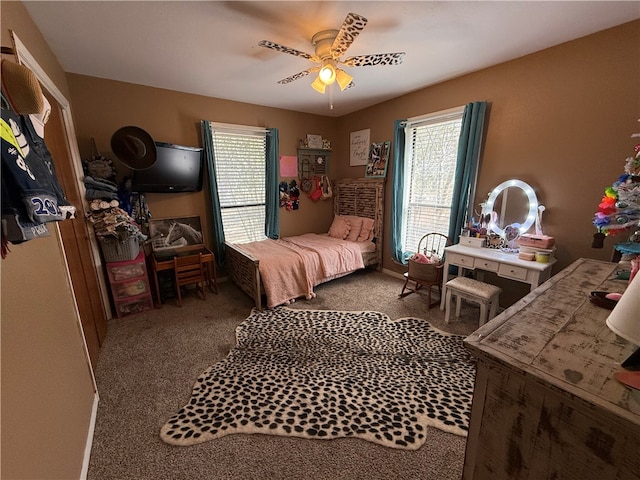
(75, 238)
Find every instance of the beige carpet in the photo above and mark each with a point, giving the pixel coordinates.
(148, 364)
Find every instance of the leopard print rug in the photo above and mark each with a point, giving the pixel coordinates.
(325, 374)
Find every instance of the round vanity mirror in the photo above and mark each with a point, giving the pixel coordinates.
(512, 204)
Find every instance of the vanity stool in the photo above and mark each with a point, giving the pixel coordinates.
(474, 291)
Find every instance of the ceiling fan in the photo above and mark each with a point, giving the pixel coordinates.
(330, 46)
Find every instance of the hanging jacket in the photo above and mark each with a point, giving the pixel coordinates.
(28, 172)
(31, 194)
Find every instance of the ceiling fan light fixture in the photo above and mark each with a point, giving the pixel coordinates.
(327, 74)
(343, 79)
(330, 46)
(318, 86)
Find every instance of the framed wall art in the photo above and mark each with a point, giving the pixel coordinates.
(314, 141)
(378, 160)
(169, 233)
(359, 147)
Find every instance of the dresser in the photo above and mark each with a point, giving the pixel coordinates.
(129, 285)
(506, 265)
(545, 404)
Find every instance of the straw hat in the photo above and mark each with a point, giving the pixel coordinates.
(21, 88)
(134, 147)
(39, 120)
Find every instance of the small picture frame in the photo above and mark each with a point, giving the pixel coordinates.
(314, 141)
(378, 160)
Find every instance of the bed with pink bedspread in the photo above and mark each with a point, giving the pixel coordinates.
(275, 272)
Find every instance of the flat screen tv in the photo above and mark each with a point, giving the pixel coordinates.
(177, 169)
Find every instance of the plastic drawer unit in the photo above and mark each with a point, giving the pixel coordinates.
(129, 284)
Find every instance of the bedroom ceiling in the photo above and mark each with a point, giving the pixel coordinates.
(211, 48)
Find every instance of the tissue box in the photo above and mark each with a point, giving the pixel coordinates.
(537, 241)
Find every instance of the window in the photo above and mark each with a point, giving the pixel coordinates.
(430, 156)
(240, 161)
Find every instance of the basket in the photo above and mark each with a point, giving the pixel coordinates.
(429, 272)
(114, 250)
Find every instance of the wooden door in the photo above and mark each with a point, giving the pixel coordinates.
(75, 238)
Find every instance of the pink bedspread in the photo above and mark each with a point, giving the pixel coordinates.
(336, 256)
(290, 267)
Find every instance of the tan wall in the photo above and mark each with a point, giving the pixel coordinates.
(560, 119)
(47, 389)
(102, 106)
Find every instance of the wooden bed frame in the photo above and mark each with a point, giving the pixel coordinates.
(363, 197)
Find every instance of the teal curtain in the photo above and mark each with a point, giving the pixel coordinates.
(469, 147)
(272, 197)
(397, 198)
(216, 229)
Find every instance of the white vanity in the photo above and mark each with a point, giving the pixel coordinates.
(506, 265)
(511, 210)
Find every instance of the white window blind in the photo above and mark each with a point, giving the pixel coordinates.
(240, 160)
(431, 155)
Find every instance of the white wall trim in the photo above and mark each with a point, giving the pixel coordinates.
(89, 445)
(393, 274)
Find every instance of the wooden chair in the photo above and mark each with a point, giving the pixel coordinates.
(425, 275)
(189, 270)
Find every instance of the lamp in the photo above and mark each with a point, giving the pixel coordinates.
(624, 320)
(318, 86)
(343, 79)
(329, 74)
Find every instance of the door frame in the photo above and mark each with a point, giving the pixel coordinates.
(25, 58)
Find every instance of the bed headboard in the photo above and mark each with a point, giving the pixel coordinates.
(363, 197)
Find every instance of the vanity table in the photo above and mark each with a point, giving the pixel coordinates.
(506, 265)
(511, 209)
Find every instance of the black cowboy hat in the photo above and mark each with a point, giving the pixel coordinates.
(134, 147)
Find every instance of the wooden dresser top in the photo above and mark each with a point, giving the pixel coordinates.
(557, 337)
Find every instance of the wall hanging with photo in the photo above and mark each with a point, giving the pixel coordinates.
(378, 160)
(167, 233)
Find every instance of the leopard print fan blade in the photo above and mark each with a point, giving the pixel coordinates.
(291, 51)
(351, 27)
(299, 75)
(375, 59)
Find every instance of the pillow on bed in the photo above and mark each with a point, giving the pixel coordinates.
(340, 228)
(356, 227)
(366, 232)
